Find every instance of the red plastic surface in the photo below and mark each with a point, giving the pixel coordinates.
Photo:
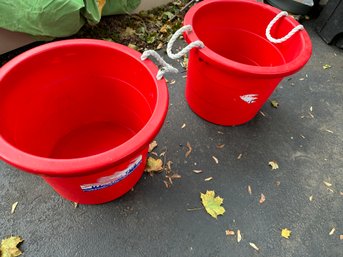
(76, 111)
(238, 69)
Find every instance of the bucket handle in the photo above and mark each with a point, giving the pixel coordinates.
(283, 39)
(166, 67)
(177, 34)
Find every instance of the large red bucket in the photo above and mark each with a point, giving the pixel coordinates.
(81, 114)
(230, 78)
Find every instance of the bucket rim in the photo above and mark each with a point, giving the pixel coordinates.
(251, 70)
(101, 161)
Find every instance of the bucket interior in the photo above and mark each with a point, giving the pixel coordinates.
(236, 31)
(75, 101)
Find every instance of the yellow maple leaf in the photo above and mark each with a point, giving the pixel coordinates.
(9, 246)
(212, 203)
(153, 165)
(286, 233)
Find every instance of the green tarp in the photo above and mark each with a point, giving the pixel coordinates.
(57, 18)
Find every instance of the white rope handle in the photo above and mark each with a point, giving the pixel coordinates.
(185, 50)
(283, 39)
(166, 67)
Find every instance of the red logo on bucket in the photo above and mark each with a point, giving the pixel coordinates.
(114, 178)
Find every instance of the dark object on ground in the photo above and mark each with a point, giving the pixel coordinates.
(292, 6)
(330, 23)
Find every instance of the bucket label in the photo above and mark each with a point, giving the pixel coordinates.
(251, 98)
(114, 178)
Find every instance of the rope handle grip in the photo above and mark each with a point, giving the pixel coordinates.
(166, 67)
(176, 35)
(283, 39)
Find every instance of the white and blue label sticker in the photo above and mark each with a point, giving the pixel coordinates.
(117, 176)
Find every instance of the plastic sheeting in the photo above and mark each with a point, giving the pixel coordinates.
(58, 18)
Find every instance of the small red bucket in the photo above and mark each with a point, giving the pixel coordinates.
(236, 71)
(81, 114)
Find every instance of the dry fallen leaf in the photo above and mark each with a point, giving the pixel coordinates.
(197, 171)
(326, 66)
(132, 46)
(341, 237)
(208, 179)
(168, 168)
(229, 232)
(159, 46)
(14, 206)
(189, 150)
(239, 236)
(249, 190)
(328, 130)
(254, 246)
(9, 246)
(273, 165)
(183, 125)
(286, 233)
(184, 62)
(166, 184)
(152, 146)
(220, 146)
(327, 184)
(274, 104)
(215, 159)
(153, 165)
(212, 204)
(277, 183)
(262, 199)
(332, 231)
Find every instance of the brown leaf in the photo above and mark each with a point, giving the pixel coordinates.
(249, 190)
(229, 232)
(262, 199)
(168, 168)
(327, 184)
(220, 146)
(273, 165)
(14, 206)
(152, 146)
(132, 46)
(274, 104)
(332, 231)
(189, 150)
(239, 236)
(154, 165)
(254, 246)
(166, 184)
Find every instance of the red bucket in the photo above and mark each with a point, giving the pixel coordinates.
(230, 79)
(81, 113)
